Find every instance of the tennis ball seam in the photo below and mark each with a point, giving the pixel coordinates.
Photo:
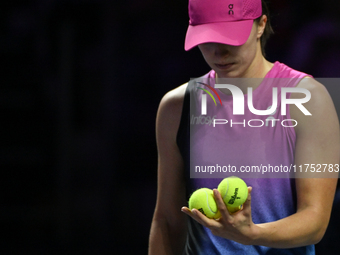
(206, 193)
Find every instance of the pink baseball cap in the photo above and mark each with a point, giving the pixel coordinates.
(221, 21)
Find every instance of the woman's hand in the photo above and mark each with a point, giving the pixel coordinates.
(238, 226)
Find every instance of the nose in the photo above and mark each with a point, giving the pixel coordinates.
(221, 50)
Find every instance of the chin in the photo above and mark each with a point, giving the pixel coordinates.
(230, 74)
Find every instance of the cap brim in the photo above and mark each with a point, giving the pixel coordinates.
(233, 33)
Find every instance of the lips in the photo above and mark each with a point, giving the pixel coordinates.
(224, 66)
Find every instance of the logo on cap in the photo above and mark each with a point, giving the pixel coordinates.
(231, 7)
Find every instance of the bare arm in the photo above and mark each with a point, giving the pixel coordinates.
(168, 229)
(317, 143)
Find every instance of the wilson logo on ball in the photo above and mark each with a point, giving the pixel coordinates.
(234, 197)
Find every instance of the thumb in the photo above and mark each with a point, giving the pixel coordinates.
(247, 203)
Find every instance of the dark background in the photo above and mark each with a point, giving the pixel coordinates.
(81, 81)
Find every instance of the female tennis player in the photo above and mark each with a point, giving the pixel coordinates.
(281, 215)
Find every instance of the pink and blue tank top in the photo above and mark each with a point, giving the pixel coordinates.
(241, 145)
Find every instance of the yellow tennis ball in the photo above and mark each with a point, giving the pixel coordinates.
(203, 200)
(234, 192)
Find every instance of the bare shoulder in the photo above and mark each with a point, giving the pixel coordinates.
(173, 100)
(318, 91)
(170, 110)
(322, 126)
(320, 101)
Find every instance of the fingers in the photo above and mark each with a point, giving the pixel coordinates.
(249, 195)
(223, 209)
(195, 214)
(186, 210)
(247, 203)
(199, 217)
(202, 219)
(220, 204)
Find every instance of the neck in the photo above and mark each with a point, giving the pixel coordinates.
(258, 68)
